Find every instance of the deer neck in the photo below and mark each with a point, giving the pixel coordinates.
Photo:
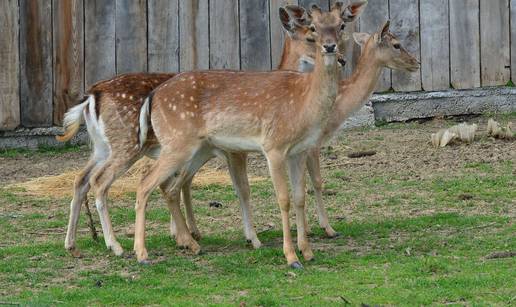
(290, 57)
(323, 88)
(355, 91)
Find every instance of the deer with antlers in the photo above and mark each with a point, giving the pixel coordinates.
(280, 113)
(110, 113)
(379, 50)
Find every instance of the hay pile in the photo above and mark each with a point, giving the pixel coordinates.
(61, 186)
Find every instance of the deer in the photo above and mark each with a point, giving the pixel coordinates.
(282, 117)
(109, 110)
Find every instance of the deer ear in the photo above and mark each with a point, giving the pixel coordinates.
(384, 30)
(285, 20)
(315, 9)
(353, 11)
(361, 38)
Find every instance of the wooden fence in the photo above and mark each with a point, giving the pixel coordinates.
(50, 50)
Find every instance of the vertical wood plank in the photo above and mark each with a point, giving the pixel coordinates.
(224, 35)
(68, 53)
(255, 43)
(464, 44)
(9, 63)
(494, 42)
(163, 35)
(513, 40)
(374, 16)
(131, 36)
(36, 63)
(352, 50)
(194, 51)
(277, 32)
(405, 25)
(99, 48)
(323, 4)
(435, 45)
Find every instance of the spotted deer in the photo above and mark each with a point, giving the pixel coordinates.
(279, 113)
(110, 110)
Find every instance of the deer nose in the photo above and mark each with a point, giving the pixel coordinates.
(330, 48)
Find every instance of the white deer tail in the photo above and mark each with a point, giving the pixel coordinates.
(73, 119)
(144, 120)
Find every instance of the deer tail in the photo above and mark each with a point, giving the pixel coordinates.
(73, 119)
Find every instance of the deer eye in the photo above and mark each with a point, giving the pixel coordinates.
(342, 26)
(396, 46)
(312, 28)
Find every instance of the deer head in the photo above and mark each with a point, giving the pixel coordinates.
(387, 49)
(300, 25)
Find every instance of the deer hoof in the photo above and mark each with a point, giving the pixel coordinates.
(296, 265)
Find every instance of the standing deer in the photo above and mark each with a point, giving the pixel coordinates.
(110, 113)
(380, 50)
(279, 113)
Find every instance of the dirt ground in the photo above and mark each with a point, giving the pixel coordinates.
(400, 148)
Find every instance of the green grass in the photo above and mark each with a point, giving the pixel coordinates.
(404, 241)
(41, 150)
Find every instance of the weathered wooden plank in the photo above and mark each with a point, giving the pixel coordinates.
(131, 36)
(194, 52)
(513, 40)
(99, 48)
(464, 44)
(36, 63)
(435, 45)
(9, 63)
(68, 55)
(494, 42)
(374, 16)
(163, 35)
(255, 45)
(404, 16)
(277, 32)
(224, 35)
(324, 4)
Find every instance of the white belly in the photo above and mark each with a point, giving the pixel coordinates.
(236, 143)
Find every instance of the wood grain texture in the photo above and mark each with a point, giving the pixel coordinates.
(277, 32)
(374, 16)
(68, 53)
(513, 40)
(495, 42)
(224, 35)
(9, 61)
(163, 53)
(36, 62)
(131, 36)
(435, 45)
(99, 48)
(464, 44)
(255, 45)
(194, 51)
(404, 15)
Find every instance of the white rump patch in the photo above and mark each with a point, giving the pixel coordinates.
(144, 121)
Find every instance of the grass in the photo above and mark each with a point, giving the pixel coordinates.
(405, 241)
(41, 150)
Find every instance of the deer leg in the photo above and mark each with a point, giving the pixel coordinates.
(238, 170)
(277, 168)
(101, 182)
(81, 188)
(203, 155)
(296, 167)
(314, 170)
(168, 163)
(190, 217)
(171, 190)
